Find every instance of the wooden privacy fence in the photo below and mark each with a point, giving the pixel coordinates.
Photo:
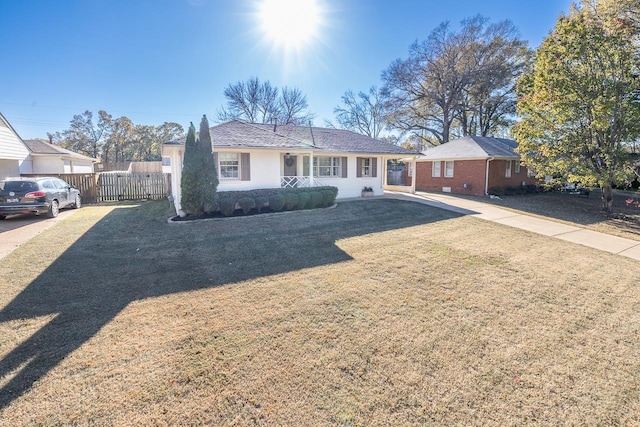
(109, 186)
(132, 186)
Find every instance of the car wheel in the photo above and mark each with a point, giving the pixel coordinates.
(3, 217)
(77, 203)
(53, 209)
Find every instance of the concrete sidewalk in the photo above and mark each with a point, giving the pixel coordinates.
(604, 242)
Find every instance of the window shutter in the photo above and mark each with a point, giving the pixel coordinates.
(374, 167)
(359, 167)
(245, 167)
(344, 167)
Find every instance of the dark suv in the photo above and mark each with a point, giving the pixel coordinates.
(36, 196)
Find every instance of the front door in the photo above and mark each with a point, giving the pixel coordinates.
(290, 171)
(290, 165)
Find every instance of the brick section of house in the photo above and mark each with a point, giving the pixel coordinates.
(472, 173)
(497, 172)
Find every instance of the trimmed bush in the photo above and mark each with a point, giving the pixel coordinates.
(303, 200)
(246, 204)
(261, 202)
(316, 199)
(227, 206)
(328, 198)
(276, 202)
(290, 201)
(326, 194)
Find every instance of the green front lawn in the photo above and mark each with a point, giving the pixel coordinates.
(376, 312)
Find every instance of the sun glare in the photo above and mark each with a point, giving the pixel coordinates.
(289, 24)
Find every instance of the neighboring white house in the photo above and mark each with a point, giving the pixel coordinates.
(251, 156)
(47, 158)
(36, 157)
(14, 154)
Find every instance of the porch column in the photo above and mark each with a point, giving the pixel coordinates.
(385, 173)
(311, 183)
(414, 163)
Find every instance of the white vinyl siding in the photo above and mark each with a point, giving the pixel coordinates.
(11, 147)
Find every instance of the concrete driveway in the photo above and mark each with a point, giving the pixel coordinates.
(17, 230)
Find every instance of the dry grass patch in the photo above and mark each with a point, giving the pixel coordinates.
(580, 210)
(378, 312)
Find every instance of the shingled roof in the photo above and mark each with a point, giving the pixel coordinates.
(37, 146)
(473, 147)
(239, 134)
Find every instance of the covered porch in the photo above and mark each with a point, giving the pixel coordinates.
(349, 172)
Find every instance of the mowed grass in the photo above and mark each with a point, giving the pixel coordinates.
(377, 312)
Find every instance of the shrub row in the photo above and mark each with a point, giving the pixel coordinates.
(515, 190)
(276, 199)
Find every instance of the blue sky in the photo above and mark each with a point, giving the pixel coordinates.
(170, 60)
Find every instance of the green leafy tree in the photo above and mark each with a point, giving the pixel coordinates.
(86, 136)
(120, 134)
(192, 199)
(579, 102)
(209, 172)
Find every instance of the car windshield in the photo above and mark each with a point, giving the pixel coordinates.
(18, 186)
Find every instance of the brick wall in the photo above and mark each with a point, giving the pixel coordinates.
(497, 171)
(471, 173)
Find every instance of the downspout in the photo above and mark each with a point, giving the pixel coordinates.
(486, 177)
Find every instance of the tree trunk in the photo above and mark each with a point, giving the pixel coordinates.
(607, 198)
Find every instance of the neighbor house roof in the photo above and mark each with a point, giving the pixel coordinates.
(239, 134)
(39, 147)
(473, 147)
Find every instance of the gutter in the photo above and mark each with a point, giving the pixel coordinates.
(486, 177)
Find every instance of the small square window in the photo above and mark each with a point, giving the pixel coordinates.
(229, 165)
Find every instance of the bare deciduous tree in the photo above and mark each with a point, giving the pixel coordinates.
(363, 113)
(257, 102)
(456, 83)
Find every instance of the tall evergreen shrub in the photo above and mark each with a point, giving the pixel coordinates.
(209, 172)
(199, 174)
(191, 188)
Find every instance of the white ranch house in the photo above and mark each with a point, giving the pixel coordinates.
(251, 156)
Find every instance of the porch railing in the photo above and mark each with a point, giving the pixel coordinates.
(298, 182)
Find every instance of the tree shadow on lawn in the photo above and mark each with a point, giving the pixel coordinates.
(132, 254)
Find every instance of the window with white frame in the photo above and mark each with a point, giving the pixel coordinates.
(365, 169)
(517, 167)
(435, 169)
(229, 165)
(448, 169)
(507, 170)
(327, 166)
